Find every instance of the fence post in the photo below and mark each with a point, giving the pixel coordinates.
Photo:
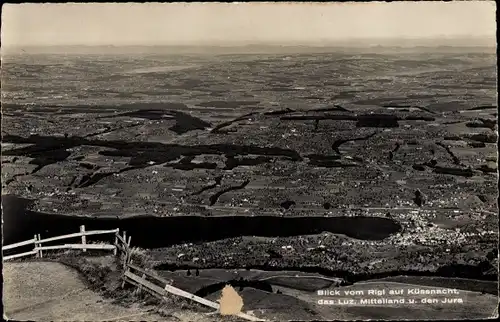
(36, 245)
(125, 246)
(139, 289)
(129, 254)
(126, 269)
(116, 243)
(126, 251)
(40, 245)
(84, 239)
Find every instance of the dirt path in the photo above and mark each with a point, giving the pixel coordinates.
(45, 291)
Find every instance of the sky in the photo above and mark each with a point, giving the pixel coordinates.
(240, 23)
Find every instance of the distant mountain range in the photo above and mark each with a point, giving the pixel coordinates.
(486, 44)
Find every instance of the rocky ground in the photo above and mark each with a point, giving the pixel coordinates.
(31, 294)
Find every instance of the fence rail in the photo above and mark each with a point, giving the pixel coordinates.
(23, 243)
(80, 234)
(77, 246)
(20, 255)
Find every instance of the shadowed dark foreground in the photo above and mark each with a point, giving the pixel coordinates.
(154, 232)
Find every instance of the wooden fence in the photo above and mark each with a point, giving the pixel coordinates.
(161, 288)
(132, 274)
(38, 249)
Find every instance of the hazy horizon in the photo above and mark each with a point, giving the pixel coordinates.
(423, 41)
(227, 24)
